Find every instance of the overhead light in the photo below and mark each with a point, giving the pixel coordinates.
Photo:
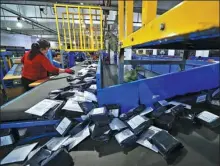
(81, 3)
(8, 29)
(19, 25)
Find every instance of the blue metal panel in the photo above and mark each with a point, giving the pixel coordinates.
(125, 95)
(71, 57)
(25, 124)
(98, 75)
(170, 85)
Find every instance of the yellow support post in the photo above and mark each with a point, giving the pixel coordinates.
(64, 31)
(96, 40)
(68, 23)
(121, 18)
(101, 33)
(84, 40)
(149, 11)
(129, 17)
(80, 27)
(57, 25)
(91, 30)
(74, 34)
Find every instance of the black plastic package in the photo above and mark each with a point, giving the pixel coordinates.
(101, 133)
(166, 144)
(58, 158)
(138, 124)
(132, 112)
(87, 106)
(114, 110)
(100, 116)
(165, 121)
(126, 138)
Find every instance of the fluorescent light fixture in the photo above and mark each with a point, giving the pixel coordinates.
(8, 29)
(19, 24)
(81, 3)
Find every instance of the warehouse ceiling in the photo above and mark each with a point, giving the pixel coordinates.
(40, 16)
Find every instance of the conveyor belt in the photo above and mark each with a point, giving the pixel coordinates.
(14, 110)
(18, 69)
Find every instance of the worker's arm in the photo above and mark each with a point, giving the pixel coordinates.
(52, 69)
(49, 67)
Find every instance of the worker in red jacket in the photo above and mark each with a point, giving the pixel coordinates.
(36, 64)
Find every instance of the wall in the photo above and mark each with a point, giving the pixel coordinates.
(16, 40)
(21, 40)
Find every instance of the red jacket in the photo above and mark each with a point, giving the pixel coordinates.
(37, 68)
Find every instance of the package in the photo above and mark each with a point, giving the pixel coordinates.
(64, 126)
(87, 106)
(138, 124)
(72, 108)
(132, 112)
(117, 124)
(8, 136)
(178, 110)
(146, 111)
(165, 121)
(209, 119)
(114, 110)
(213, 99)
(93, 91)
(100, 116)
(166, 144)
(79, 127)
(43, 107)
(19, 154)
(126, 138)
(55, 112)
(161, 103)
(158, 112)
(101, 133)
(39, 155)
(59, 157)
(90, 96)
(75, 139)
(66, 95)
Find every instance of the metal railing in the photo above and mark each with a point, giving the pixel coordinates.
(75, 32)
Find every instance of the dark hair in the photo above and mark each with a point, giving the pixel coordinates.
(35, 48)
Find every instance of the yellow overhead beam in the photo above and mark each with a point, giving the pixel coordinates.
(187, 17)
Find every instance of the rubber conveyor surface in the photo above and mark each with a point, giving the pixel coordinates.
(14, 109)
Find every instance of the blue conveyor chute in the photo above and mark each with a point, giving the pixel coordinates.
(164, 86)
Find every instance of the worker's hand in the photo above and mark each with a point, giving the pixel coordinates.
(69, 71)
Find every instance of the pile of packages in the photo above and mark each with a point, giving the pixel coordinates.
(146, 126)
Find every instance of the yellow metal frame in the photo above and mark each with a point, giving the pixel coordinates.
(74, 38)
(185, 18)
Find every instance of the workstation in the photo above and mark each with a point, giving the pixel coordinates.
(97, 91)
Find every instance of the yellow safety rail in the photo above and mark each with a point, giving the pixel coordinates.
(80, 28)
(187, 17)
